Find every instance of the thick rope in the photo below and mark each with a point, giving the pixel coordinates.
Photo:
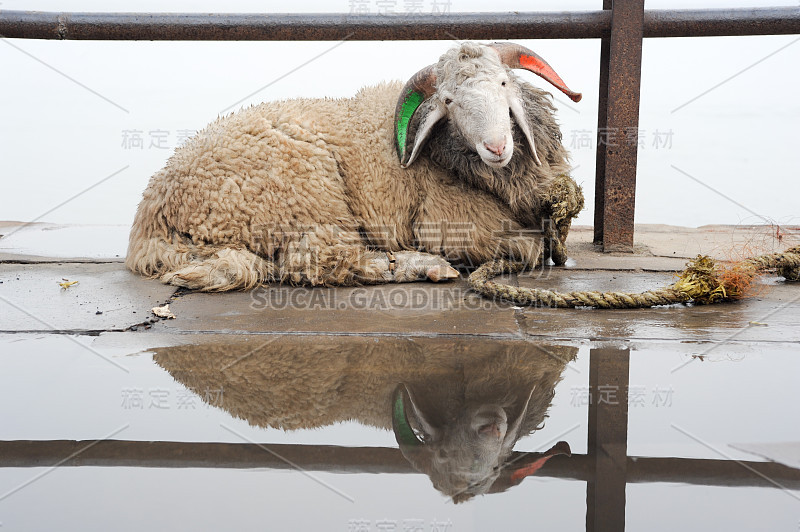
(564, 202)
(702, 282)
(786, 264)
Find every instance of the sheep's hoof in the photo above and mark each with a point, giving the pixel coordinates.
(441, 272)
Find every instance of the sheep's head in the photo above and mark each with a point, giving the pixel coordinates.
(470, 454)
(471, 86)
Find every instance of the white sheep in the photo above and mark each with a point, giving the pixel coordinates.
(311, 191)
(469, 400)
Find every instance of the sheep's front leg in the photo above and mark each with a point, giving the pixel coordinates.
(407, 266)
(333, 256)
(474, 243)
(520, 244)
(470, 226)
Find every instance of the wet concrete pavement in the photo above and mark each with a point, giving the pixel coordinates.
(107, 297)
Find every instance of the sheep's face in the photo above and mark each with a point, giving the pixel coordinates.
(480, 110)
(463, 457)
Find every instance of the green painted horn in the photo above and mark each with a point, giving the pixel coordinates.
(402, 429)
(418, 89)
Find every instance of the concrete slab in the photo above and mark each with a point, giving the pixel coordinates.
(724, 242)
(409, 309)
(34, 301)
(106, 297)
(667, 247)
(772, 316)
(422, 309)
(587, 256)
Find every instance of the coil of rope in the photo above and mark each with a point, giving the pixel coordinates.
(704, 281)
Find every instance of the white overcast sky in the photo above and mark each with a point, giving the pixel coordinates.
(69, 108)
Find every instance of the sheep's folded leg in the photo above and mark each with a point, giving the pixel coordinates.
(407, 266)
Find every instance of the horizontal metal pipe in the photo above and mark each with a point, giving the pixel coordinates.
(299, 27)
(169, 454)
(707, 472)
(334, 459)
(329, 27)
(722, 22)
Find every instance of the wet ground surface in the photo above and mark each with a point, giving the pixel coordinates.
(376, 408)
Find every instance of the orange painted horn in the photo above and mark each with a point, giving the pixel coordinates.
(517, 56)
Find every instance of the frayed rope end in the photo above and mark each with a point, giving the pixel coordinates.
(704, 281)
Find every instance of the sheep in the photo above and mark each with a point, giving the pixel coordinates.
(470, 399)
(387, 186)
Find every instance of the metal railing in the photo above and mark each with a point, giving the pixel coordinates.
(621, 26)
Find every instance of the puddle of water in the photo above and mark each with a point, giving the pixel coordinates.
(377, 432)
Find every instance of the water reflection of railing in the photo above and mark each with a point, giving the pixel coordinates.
(606, 467)
(335, 459)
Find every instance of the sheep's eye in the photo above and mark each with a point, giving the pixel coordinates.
(448, 101)
(503, 84)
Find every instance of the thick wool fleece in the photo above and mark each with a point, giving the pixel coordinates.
(310, 191)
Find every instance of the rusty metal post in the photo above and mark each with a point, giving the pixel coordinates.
(620, 138)
(602, 117)
(607, 439)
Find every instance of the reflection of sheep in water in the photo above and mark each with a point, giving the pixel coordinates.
(312, 191)
(457, 408)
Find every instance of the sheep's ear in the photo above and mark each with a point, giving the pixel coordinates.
(412, 110)
(403, 432)
(411, 447)
(402, 403)
(512, 433)
(521, 118)
(517, 56)
(428, 115)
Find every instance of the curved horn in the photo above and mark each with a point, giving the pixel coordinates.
(418, 89)
(517, 56)
(561, 447)
(403, 432)
(526, 464)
